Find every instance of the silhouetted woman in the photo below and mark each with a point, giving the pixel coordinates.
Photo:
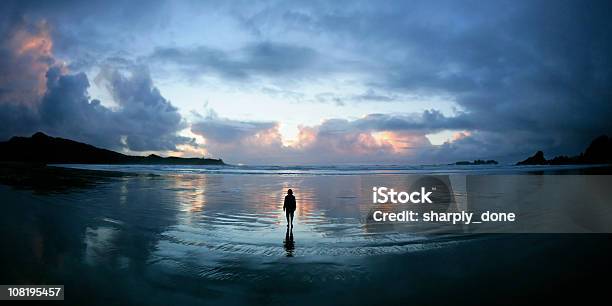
(289, 207)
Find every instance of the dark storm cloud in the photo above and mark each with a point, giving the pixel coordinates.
(222, 130)
(145, 120)
(371, 95)
(264, 58)
(429, 121)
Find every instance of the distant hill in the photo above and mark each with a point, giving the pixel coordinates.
(41, 148)
(598, 152)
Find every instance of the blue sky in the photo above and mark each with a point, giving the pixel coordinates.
(310, 82)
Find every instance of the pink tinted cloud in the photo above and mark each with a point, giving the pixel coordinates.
(333, 141)
(28, 55)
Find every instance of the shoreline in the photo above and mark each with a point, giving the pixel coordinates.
(337, 170)
(61, 178)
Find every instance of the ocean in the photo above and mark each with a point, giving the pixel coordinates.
(336, 169)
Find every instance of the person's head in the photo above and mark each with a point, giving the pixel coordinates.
(289, 191)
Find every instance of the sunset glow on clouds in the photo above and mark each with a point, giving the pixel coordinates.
(374, 138)
(299, 83)
(29, 48)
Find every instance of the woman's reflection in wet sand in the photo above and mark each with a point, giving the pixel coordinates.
(289, 244)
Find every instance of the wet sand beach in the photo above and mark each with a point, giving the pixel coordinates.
(136, 238)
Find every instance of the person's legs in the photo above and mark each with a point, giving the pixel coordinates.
(288, 214)
(292, 218)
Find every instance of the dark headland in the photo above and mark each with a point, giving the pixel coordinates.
(44, 149)
(598, 152)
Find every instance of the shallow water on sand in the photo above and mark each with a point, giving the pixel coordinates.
(212, 238)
